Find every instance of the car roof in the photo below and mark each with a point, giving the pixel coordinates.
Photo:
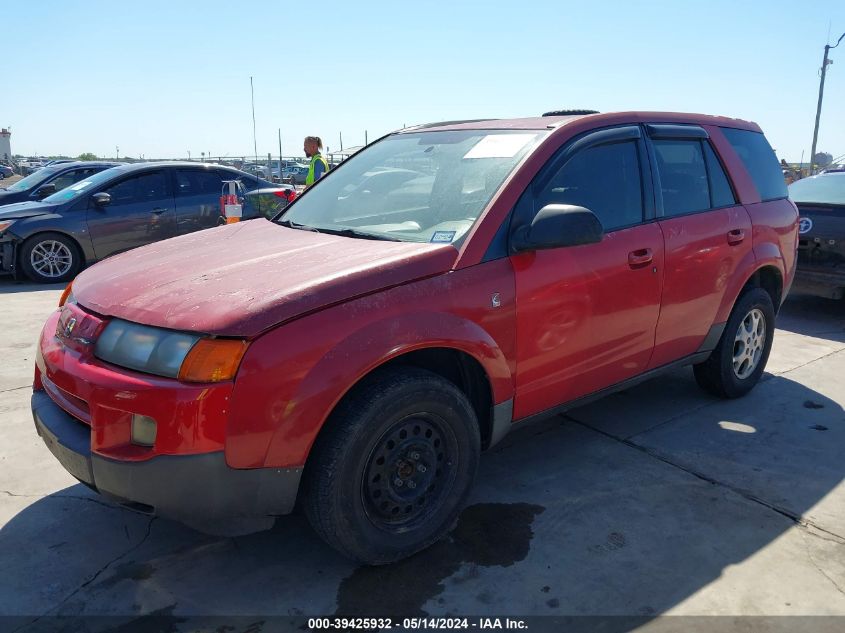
(599, 119)
(173, 163)
(86, 163)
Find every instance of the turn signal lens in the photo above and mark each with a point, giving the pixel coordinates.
(65, 294)
(212, 360)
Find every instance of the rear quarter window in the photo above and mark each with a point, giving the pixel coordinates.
(760, 161)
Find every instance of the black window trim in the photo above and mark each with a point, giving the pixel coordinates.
(658, 189)
(623, 133)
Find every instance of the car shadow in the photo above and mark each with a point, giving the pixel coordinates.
(813, 316)
(567, 518)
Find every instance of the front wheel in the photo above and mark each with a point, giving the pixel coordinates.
(391, 471)
(50, 258)
(739, 359)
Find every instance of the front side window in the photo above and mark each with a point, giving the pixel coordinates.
(415, 187)
(605, 179)
(139, 189)
(73, 176)
(760, 161)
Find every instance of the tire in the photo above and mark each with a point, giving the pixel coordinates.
(740, 357)
(403, 425)
(49, 258)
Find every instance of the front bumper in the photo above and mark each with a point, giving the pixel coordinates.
(194, 489)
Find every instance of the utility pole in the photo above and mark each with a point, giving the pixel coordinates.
(825, 62)
(252, 98)
(280, 154)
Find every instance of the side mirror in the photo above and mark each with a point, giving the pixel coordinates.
(101, 199)
(556, 226)
(45, 190)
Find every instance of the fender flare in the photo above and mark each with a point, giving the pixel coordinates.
(324, 385)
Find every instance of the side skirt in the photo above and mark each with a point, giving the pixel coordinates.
(692, 359)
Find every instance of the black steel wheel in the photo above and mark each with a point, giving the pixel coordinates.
(409, 471)
(393, 466)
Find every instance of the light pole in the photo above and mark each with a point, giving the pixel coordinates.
(825, 62)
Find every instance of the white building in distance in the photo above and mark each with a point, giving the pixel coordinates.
(5, 145)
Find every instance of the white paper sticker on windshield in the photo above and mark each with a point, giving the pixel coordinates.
(80, 185)
(499, 145)
(443, 237)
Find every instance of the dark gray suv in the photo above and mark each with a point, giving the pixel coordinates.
(118, 209)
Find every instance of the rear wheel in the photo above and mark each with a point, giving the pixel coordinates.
(50, 258)
(391, 471)
(740, 357)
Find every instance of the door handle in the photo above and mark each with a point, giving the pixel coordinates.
(736, 236)
(159, 210)
(640, 257)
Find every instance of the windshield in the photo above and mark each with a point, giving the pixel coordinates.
(81, 187)
(33, 180)
(824, 189)
(415, 187)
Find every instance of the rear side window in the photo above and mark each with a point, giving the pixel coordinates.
(721, 194)
(605, 179)
(759, 160)
(70, 177)
(193, 182)
(683, 176)
(691, 177)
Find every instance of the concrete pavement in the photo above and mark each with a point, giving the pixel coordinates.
(657, 500)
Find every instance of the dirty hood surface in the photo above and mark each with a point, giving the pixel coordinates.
(241, 279)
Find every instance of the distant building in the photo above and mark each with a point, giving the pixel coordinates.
(5, 145)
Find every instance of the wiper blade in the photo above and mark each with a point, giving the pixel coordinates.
(360, 234)
(296, 225)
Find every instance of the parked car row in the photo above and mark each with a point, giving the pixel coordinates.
(355, 356)
(65, 216)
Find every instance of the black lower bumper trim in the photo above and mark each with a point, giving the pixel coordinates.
(188, 488)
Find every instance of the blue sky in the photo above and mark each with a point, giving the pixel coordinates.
(164, 78)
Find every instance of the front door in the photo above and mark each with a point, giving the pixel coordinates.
(141, 211)
(586, 315)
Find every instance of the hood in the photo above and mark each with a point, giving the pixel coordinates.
(241, 279)
(22, 209)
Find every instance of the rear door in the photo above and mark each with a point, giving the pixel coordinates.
(141, 211)
(707, 236)
(197, 199)
(586, 315)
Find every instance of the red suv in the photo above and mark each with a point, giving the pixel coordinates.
(442, 285)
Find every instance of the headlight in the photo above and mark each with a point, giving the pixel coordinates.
(152, 350)
(5, 224)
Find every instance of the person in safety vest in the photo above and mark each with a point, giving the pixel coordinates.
(318, 166)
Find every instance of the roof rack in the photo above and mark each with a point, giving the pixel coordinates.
(569, 112)
(423, 126)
